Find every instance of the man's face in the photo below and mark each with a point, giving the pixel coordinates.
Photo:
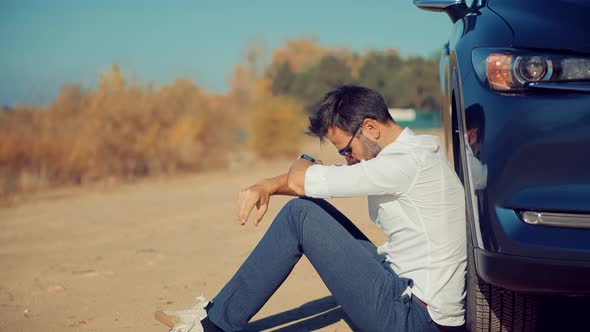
(473, 140)
(361, 147)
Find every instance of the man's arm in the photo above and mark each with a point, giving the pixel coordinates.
(391, 173)
(296, 176)
(290, 184)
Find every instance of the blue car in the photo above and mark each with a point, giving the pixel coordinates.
(515, 76)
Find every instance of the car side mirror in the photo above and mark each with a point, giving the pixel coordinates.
(454, 8)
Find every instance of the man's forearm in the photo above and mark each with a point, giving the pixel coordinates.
(290, 183)
(279, 185)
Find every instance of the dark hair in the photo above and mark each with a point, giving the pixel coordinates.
(346, 107)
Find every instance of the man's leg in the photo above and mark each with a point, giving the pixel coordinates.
(345, 259)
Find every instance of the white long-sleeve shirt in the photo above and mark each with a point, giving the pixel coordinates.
(418, 201)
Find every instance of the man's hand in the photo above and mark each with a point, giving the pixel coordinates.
(257, 195)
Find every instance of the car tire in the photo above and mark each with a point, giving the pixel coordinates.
(490, 308)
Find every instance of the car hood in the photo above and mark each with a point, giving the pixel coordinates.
(547, 24)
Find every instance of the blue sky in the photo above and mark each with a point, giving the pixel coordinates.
(46, 44)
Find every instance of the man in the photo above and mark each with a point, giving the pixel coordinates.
(475, 122)
(413, 282)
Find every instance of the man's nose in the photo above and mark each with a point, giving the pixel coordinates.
(350, 160)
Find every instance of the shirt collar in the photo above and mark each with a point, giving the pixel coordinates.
(406, 134)
(404, 137)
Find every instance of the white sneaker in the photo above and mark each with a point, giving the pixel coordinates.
(185, 320)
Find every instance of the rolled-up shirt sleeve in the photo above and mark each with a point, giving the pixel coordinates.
(386, 174)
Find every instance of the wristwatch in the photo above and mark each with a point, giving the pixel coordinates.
(308, 157)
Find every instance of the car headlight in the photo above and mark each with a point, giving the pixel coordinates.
(512, 70)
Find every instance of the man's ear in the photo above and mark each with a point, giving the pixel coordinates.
(371, 128)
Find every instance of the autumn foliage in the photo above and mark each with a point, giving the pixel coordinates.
(118, 131)
(124, 130)
(275, 123)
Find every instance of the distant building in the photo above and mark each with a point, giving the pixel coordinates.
(409, 117)
(403, 114)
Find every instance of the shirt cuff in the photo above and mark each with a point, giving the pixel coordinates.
(316, 184)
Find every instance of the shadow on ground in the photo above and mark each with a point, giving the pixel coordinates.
(310, 316)
(556, 313)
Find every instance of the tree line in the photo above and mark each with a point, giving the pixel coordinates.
(410, 82)
(123, 129)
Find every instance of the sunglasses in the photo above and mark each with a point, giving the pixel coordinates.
(347, 150)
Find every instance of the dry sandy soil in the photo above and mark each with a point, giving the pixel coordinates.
(104, 259)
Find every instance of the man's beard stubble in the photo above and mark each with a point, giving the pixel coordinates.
(371, 149)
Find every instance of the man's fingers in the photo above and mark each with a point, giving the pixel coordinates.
(241, 206)
(248, 200)
(260, 213)
(238, 205)
(246, 210)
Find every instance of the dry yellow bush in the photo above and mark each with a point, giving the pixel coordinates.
(276, 124)
(118, 131)
(124, 130)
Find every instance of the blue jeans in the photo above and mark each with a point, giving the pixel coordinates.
(360, 280)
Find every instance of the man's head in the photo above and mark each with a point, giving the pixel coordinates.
(356, 120)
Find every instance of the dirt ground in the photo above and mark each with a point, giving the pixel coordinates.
(105, 258)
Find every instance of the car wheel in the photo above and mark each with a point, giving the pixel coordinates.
(493, 309)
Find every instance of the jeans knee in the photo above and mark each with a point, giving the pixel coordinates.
(299, 203)
(298, 208)
(302, 205)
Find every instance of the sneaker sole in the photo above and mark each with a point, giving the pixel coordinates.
(165, 319)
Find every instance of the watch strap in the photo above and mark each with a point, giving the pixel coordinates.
(308, 157)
